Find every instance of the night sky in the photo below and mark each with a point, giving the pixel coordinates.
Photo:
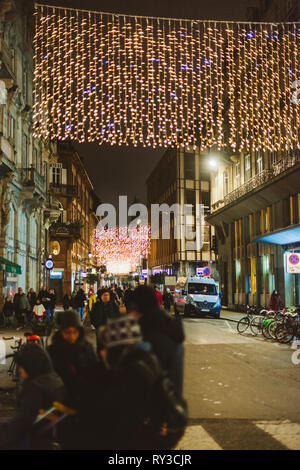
(118, 171)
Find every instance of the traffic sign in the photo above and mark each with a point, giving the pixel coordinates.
(49, 264)
(293, 263)
(207, 271)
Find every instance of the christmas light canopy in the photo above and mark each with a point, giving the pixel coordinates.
(129, 80)
(121, 249)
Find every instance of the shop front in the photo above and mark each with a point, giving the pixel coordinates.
(286, 260)
(9, 273)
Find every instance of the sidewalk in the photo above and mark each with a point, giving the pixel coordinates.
(231, 315)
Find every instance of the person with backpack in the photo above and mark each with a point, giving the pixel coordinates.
(41, 387)
(164, 332)
(129, 397)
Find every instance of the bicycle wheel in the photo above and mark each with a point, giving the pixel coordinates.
(243, 324)
(265, 328)
(284, 334)
(256, 325)
(272, 328)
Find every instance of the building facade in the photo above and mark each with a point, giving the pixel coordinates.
(71, 233)
(256, 210)
(182, 177)
(38, 186)
(25, 209)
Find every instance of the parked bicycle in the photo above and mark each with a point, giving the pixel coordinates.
(18, 343)
(244, 323)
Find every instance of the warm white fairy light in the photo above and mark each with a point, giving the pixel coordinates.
(163, 82)
(122, 245)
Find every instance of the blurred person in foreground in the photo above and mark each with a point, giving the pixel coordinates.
(126, 401)
(164, 332)
(72, 355)
(41, 387)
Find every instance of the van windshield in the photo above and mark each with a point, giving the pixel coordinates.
(201, 288)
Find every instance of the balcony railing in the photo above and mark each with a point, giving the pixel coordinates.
(259, 180)
(29, 177)
(63, 189)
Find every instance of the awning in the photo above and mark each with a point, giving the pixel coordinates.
(281, 237)
(9, 266)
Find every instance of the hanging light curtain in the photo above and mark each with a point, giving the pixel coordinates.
(131, 80)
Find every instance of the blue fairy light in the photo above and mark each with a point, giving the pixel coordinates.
(68, 127)
(46, 56)
(250, 34)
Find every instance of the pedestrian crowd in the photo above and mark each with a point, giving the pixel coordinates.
(127, 392)
(27, 308)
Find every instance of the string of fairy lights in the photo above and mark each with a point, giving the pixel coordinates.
(121, 249)
(130, 80)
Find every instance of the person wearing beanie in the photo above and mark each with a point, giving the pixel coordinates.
(41, 387)
(113, 411)
(104, 309)
(72, 355)
(161, 330)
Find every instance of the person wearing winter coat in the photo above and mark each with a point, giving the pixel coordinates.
(21, 306)
(158, 296)
(8, 311)
(52, 302)
(162, 331)
(167, 299)
(80, 298)
(71, 354)
(104, 309)
(127, 294)
(31, 296)
(276, 301)
(66, 302)
(92, 300)
(41, 387)
(114, 404)
(39, 311)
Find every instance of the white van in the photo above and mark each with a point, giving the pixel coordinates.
(197, 295)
